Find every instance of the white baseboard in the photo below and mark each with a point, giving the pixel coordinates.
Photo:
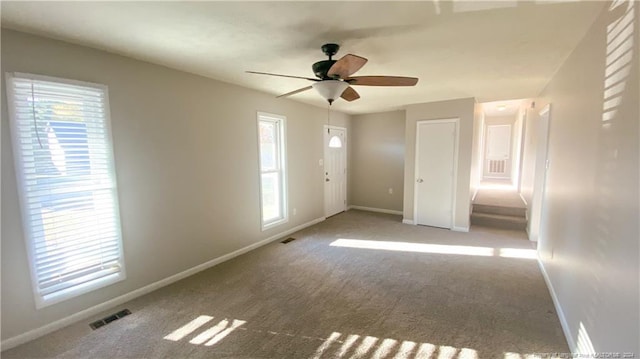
(46, 329)
(407, 221)
(556, 303)
(523, 200)
(460, 229)
(379, 210)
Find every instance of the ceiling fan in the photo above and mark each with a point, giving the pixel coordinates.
(334, 77)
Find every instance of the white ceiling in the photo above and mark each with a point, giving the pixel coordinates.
(488, 50)
(501, 108)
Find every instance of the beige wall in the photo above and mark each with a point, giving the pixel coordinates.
(589, 233)
(187, 169)
(377, 154)
(464, 110)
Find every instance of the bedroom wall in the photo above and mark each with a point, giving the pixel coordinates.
(186, 158)
(589, 234)
(459, 108)
(378, 160)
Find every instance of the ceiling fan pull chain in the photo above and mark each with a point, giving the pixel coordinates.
(329, 118)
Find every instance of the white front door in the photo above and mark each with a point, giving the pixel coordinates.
(335, 170)
(497, 158)
(435, 172)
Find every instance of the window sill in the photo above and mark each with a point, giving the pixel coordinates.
(270, 225)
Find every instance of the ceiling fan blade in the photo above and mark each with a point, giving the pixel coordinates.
(382, 81)
(346, 66)
(295, 92)
(290, 76)
(350, 94)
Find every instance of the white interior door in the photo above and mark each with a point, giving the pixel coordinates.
(335, 170)
(435, 173)
(497, 159)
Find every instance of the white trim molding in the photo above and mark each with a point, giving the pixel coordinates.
(460, 229)
(556, 303)
(84, 314)
(408, 221)
(379, 210)
(523, 200)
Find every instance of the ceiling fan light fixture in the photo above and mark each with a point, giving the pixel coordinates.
(330, 89)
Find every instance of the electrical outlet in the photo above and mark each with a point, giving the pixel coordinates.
(390, 190)
(295, 211)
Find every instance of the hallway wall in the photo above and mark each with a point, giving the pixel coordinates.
(589, 245)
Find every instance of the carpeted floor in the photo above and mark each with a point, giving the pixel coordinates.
(423, 293)
(498, 194)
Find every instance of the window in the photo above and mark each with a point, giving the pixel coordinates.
(335, 142)
(273, 178)
(66, 181)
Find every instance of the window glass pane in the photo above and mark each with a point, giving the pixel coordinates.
(67, 187)
(268, 141)
(271, 206)
(335, 142)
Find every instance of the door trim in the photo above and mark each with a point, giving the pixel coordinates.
(540, 189)
(456, 122)
(346, 165)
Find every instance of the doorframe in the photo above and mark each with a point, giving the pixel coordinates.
(326, 129)
(540, 203)
(456, 122)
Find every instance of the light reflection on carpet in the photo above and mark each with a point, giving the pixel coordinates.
(210, 336)
(436, 248)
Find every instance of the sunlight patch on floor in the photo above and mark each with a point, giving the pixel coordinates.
(355, 346)
(211, 336)
(188, 328)
(523, 253)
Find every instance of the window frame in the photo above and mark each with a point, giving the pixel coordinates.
(281, 148)
(28, 235)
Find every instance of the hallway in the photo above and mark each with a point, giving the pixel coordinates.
(497, 204)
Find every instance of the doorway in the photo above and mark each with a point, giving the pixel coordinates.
(497, 155)
(436, 164)
(335, 170)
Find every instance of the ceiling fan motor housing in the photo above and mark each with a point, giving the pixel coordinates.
(321, 68)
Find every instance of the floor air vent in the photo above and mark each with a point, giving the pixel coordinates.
(288, 240)
(106, 320)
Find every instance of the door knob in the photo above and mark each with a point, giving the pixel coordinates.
(419, 180)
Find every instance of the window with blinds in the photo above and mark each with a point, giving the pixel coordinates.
(66, 181)
(273, 189)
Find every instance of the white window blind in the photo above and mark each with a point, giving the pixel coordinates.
(66, 179)
(273, 189)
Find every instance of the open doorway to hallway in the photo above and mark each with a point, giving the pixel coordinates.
(502, 139)
(497, 201)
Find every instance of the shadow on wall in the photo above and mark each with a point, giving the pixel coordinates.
(611, 175)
